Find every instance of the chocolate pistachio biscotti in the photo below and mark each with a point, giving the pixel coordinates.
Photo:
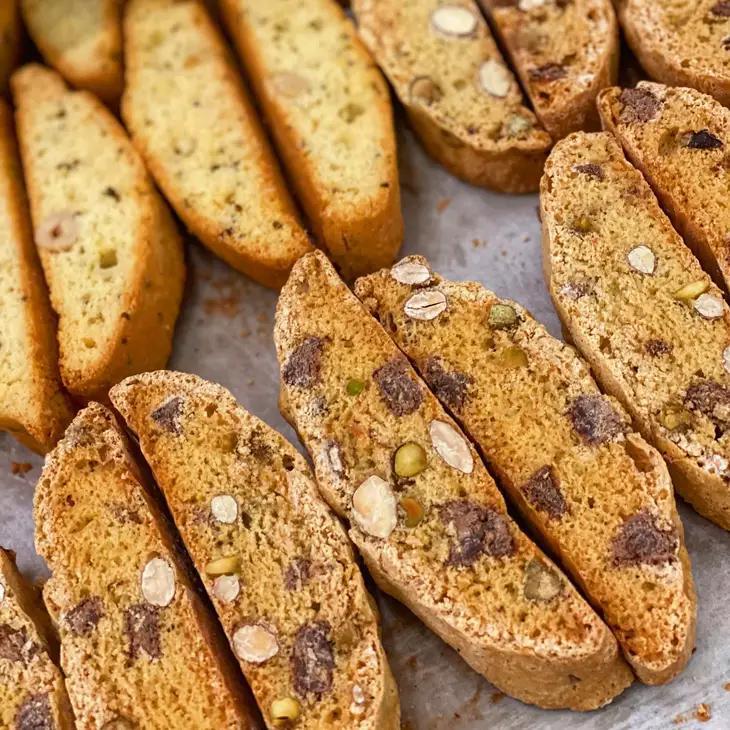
(597, 493)
(276, 562)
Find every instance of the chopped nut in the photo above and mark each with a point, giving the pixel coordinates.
(726, 359)
(494, 78)
(58, 232)
(709, 306)
(425, 305)
(354, 386)
(692, 290)
(413, 509)
(674, 417)
(374, 507)
(335, 458)
(284, 711)
(516, 125)
(224, 566)
(253, 643)
(357, 706)
(410, 459)
(642, 259)
(410, 272)
(224, 508)
(454, 20)
(501, 316)
(289, 84)
(582, 224)
(158, 582)
(451, 446)
(526, 5)
(715, 464)
(226, 588)
(424, 90)
(542, 583)
(513, 357)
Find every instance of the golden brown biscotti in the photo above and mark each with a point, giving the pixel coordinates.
(596, 492)
(678, 138)
(138, 647)
(9, 40)
(276, 562)
(33, 406)
(109, 248)
(462, 100)
(422, 509)
(189, 115)
(681, 43)
(32, 691)
(329, 110)
(564, 53)
(648, 319)
(82, 40)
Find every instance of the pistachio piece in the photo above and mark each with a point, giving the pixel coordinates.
(254, 643)
(691, 291)
(410, 459)
(410, 272)
(674, 417)
(224, 566)
(226, 588)
(642, 259)
(425, 305)
(374, 507)
(494, 78)
(224, 508)
(541, 582)
(158, 582)
(454, 20)
(709, 306)
(285, 710)
(501, 316)
(513, 357)
(413, 509)
(582, 224)
(354, 386)
(517, 125)
(451, 446)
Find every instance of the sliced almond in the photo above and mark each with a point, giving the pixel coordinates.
(495, 78)
(226, 588)
(454, 20)
(224, 508)
(289, 84)
(451, 446)
(58, 232)
(158, 582)
(374, 507)
(410, 272)
(642, 259)
(425, 305)
(726, 359)
(253, 643)
(709, 306)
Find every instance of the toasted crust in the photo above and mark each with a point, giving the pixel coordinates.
(117, 285)
(190, 117)
(82, 40)
(9, 40)
(486, 138)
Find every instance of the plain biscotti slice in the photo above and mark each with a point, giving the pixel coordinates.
(329, 110)
(648, 319)
(189, 116)
(462, 100)
(32, 404)
(680, 142)
(109, 248)
(597, 493)
(82, 39)
(9, 40)
(276, 562)
(138, 648)
(32, 692)
(422, 509)
(564, 53)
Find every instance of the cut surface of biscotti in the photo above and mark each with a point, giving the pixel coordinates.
(138, 648)
(108, 245)
(678, 138)
(329, 110)
(422, 509)
(597, 493)
(564, 53)
(82, 39)
(276, 562)
(9, 40)
(462, 100)
(32, 692)
(681, 43)
(189, 115)
(32, 404)
(648, 319)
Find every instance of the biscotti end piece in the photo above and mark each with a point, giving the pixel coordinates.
(648, 319)
(32, 692)
(276, 562)
(189, 115)
(109, 248)
(138, 646)
(461, 98)
(565, 454)
(82, 39)
(564, 53)
(329, 110)
(9, 40)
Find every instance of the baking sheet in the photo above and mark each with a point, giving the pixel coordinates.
(225, 334)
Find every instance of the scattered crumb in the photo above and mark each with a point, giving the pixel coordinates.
(726, 686)
(496, 697)
(20, 467)
(526, 238)
(477, 242)
(679, 719)
(443, 204)
(412, 662)
(703, 713)
(227, 306)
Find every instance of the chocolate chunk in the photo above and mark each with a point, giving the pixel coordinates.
(82, 619)
(548, 72)
(639, 105)
(479, 530)
(657, 348)
(542, 491)
(711, 399)
(400, 392)
(640, 540)
(592, 170)
(12, 643)
(168, 414)
(258, 447)
(450, 387)
(702, 140)
(303, 367)
(721, 9)
(595, 419)
(312, 659)
(142, 627)
(297, 573)
(35, 714)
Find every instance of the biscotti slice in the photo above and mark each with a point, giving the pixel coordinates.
(648, 319)
(109, 248)
(82, 39)
(138, 648)
(462, 100)
(32, 404)
(190, 118)
(681, 43)
(678, 138)
(276, 562)
(32, 692)
(9, 40)
(564, 53)
(596, 492)
(422, 509)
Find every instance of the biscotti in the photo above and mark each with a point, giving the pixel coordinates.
(597, 493)
(189, 116)
(329, 110)
(678, 138)
(32, 692)
(276, 562)
(108, 245)
(9, 40)
(564, 53)
(422, 509)
(138, 648)
(681, 43)
(462, 100)
(32, 404)
(648, 319)
(82, 40)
